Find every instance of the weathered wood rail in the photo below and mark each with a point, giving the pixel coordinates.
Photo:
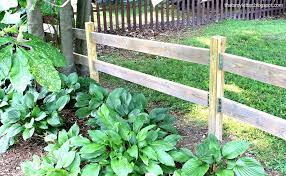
(219, 62)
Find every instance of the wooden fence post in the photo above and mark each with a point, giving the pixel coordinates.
(216, 86)
(91, 50)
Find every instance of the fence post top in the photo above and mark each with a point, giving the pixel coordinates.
(218, 37)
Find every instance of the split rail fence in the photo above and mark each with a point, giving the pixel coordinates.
(218, 62)
(115, 15)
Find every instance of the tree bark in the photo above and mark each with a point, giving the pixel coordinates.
(66, 31)
(83, 15)
(35, 19)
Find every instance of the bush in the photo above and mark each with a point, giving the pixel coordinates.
(126, 139)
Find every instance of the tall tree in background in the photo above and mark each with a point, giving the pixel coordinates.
(66, 21)
(35, 19)
(83, 15)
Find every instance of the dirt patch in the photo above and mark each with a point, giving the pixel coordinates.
(10, 162)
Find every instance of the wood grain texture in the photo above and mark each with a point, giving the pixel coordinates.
(175, 51)
(162, 85)
(261, 120)
(260, 71)
(91, 50)
(216, 86)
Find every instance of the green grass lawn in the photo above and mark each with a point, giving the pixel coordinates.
(259, 40)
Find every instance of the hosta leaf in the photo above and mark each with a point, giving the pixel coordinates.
(83, 112)
(180, 156)
(233, 149)
(141, 136)
(74, 167)
(133, 151)
(209, 150)
(62, 137)
(50, 138)
(98, 136)
(165, 158)
(119, 100)
(29, 100)
(154, 168)
(20, 75)
(246, 166)
(79, 141)
(5, 61)
(28, 133)
(194, 167)
(4, 144)
(43, 70)
(121, 166)
(91, 170)
(172, 139)
(54, 120)
(62, 101)
(149, 152)
(30, 124)
(74, 130)
(224, 172)
(66, 159)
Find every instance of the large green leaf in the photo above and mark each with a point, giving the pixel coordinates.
(233, 149)
(5, 61)
(45, 50)
(20, 75)
(43, 70)
(28, 133)
(154, 168)
(91, 170)
(121, 166)
(209, 150)
(194, 167)
(224, 172)
(247, 166)
(165, 158)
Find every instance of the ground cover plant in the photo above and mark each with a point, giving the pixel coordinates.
(127, 139)
(253, 39)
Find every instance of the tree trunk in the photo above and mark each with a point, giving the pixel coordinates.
(35, 19)
(66, 31)
(83, 15)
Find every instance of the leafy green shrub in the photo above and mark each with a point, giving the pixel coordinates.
(62, 159)
(213, 159)
(23, 60)
(33, 112)
(26, 117)
(89, 102)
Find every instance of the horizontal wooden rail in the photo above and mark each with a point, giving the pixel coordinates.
(256, 70)
(169, 50)
(261, 120)
(162, 85)
(260, 71)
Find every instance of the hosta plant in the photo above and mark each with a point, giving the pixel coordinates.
(62, 158)
(88, 102)
(26, 117)
(211, 158)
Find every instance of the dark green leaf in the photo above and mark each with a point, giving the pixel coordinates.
(233, 149)
(195, 167)
(246, 166)
(91, 170)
